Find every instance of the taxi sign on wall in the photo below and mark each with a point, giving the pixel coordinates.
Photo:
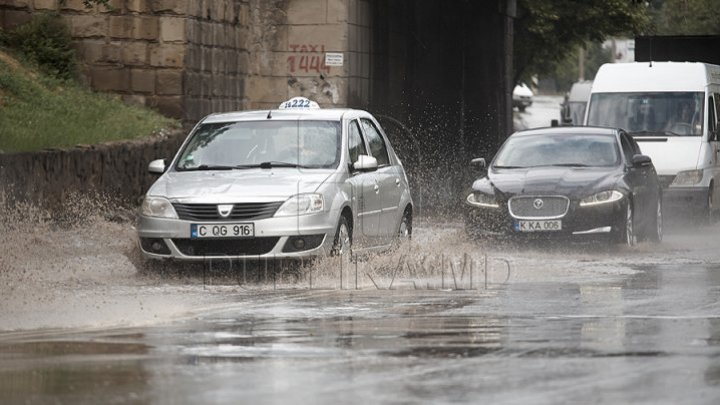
(298, 102)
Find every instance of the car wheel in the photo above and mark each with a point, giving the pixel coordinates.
(521, 108)
(343, 239)
(656, 232)
(626, 234)
(405, 229)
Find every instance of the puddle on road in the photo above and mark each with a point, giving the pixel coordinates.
(80, 269)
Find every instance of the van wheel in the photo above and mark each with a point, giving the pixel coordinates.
(710, 206)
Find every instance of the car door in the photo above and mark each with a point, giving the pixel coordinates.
(638, 179)
(365, 191)
(387, 177)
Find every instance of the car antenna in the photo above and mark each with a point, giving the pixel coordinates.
(269, 116)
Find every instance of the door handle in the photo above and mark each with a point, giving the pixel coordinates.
(376, 188)
(397, 182)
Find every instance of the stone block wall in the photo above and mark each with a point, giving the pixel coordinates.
(188, 58)
(289, 42)
(118, 170)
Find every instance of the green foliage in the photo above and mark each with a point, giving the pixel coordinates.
(686, 17)
(566, 71)
(38, 111)
(45, 41)
(547, 31)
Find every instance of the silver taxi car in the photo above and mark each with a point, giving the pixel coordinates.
(297, 181)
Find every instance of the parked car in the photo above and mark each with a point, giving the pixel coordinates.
(572, 110)
(297, 181)
(522, 97)
(568, 181)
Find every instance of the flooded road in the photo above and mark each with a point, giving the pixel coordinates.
(441, 320)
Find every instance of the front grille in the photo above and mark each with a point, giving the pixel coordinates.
(229, 247)
(240, 211)
(665, 181)
(526, 207)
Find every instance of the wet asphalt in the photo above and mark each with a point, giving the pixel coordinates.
(442, 320)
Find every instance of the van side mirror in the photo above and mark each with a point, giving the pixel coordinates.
(157, 166)
(478, 163)
(641, 161)
(365, 163)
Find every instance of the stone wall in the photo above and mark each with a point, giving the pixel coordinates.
(188, 58)
(119, 170)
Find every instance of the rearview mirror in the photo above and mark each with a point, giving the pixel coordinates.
(157, 166)
(365, 163)
(478, 163)
(641, 160)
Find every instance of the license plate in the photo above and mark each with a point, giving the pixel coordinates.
(538, 226)
(246, 230)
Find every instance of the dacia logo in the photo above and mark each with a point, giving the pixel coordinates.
(224, 210)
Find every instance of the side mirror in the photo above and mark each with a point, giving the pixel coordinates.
(365, 163)
(157, 166)
(554, 123)
(478, 163)
(641, 160)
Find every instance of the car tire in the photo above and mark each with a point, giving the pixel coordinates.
(626, 234)
(405, 228)
(521, 108)
(342, 244)
(656, 229)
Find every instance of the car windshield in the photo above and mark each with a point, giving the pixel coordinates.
(268, 143)
(663, 113)
(572, 150)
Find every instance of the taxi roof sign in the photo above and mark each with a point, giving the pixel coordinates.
(299, 103)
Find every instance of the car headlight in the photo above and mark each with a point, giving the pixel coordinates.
(601, 198)
(301, 204)
(687, 178)
(158, 207)
(481, 200)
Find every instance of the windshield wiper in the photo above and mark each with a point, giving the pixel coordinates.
(569, 165)
(209, 167)
(509, 167)
(270, 165)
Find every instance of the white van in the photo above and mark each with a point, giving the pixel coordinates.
(671, 110)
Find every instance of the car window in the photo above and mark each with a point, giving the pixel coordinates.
(376, 142)
(627, 148)
(312, 144)
(356, 144)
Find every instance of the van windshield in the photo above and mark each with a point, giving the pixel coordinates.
(662, 113)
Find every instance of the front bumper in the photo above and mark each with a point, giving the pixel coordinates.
(592, 220)
(685, 199)
(275, 238)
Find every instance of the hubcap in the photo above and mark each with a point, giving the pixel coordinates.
(343, 240)
(404, 228)
(629, 232)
